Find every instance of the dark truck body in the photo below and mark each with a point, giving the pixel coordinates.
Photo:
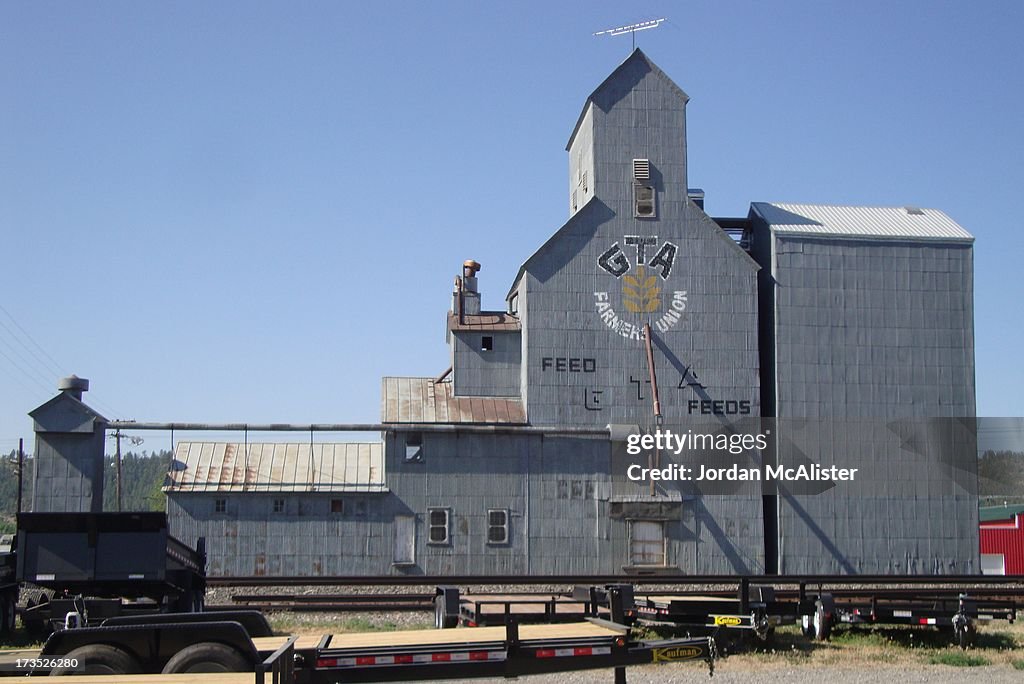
(8, 585)
(106, 557)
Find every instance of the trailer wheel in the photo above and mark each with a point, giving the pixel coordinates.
(822, 623)
(99, 659)
(806, 626)
(442, 620)
(207, 657)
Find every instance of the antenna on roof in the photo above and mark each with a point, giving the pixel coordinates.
(632, 29)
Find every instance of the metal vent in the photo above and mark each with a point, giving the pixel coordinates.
(914, 211)
(584, 182)
(574, 200)
(641, 169)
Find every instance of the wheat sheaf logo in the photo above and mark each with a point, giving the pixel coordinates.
(640, 294)
(642, 291)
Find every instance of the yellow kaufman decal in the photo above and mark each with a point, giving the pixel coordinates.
(730, 620)
(665, 655)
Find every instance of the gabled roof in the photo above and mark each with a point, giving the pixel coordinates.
(592, 206)
(238, 467)
(422, 400)
(64, 413)
(635, 56)
(892, 223)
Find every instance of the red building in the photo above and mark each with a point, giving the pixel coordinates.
(1002, 540)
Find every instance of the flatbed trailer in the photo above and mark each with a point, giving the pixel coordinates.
(482, 610)
(957, 613)
(242, 641)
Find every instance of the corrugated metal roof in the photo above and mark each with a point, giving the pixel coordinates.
(485, 321)
(235, 467)
(878, 222)
(993, 513)
(421, 400)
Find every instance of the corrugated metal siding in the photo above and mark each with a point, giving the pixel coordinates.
(421, 400)
(1006, 538)
(237, 467)
(846, 221)
(491, 373)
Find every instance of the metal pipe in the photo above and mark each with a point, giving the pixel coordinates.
(516, 428)
(656, 454)
(21, 468)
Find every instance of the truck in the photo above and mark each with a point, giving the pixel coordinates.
(86, 567)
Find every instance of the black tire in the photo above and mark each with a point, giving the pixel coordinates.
(965, 636)
(442, 620)
(207, 657)
(99, 659)
(822, 623)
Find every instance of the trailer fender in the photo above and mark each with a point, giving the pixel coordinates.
(447, 607)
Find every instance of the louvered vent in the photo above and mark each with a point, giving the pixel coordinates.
(584, 182)
(641, 169)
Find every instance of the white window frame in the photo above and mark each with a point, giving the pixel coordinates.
(447, 526)
(504, 527)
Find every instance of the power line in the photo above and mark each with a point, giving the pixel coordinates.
(55, 366)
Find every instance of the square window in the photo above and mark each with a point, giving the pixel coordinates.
(487, 343)
(279, 505)
(497, 526)
(413, 447)
(438, 519)
(220, 505)
(337, 506)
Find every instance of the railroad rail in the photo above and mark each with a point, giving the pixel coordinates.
(572, 580)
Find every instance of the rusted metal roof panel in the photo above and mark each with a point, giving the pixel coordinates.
(236, 467)
(486, 321)
(421, 400)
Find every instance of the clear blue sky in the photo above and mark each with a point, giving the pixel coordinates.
(240, 211)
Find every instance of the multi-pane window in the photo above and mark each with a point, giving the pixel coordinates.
(438, 525)
(220, 505)
(497, 526)
(278, 505)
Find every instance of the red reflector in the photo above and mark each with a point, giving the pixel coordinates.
(402, 659)
(478, 655)
(365, 660)
(326, 662)
(582, 651)
(546, 653)
(922, 621)
(470, 623)
(441, 657)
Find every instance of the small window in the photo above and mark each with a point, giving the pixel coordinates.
(497, 526)
(563, 489)
(413, 447)
(487, 343)
(644, 197)
(279, 505)
(338, 506)
(577, 489)
(438, 523)
(220, 505)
